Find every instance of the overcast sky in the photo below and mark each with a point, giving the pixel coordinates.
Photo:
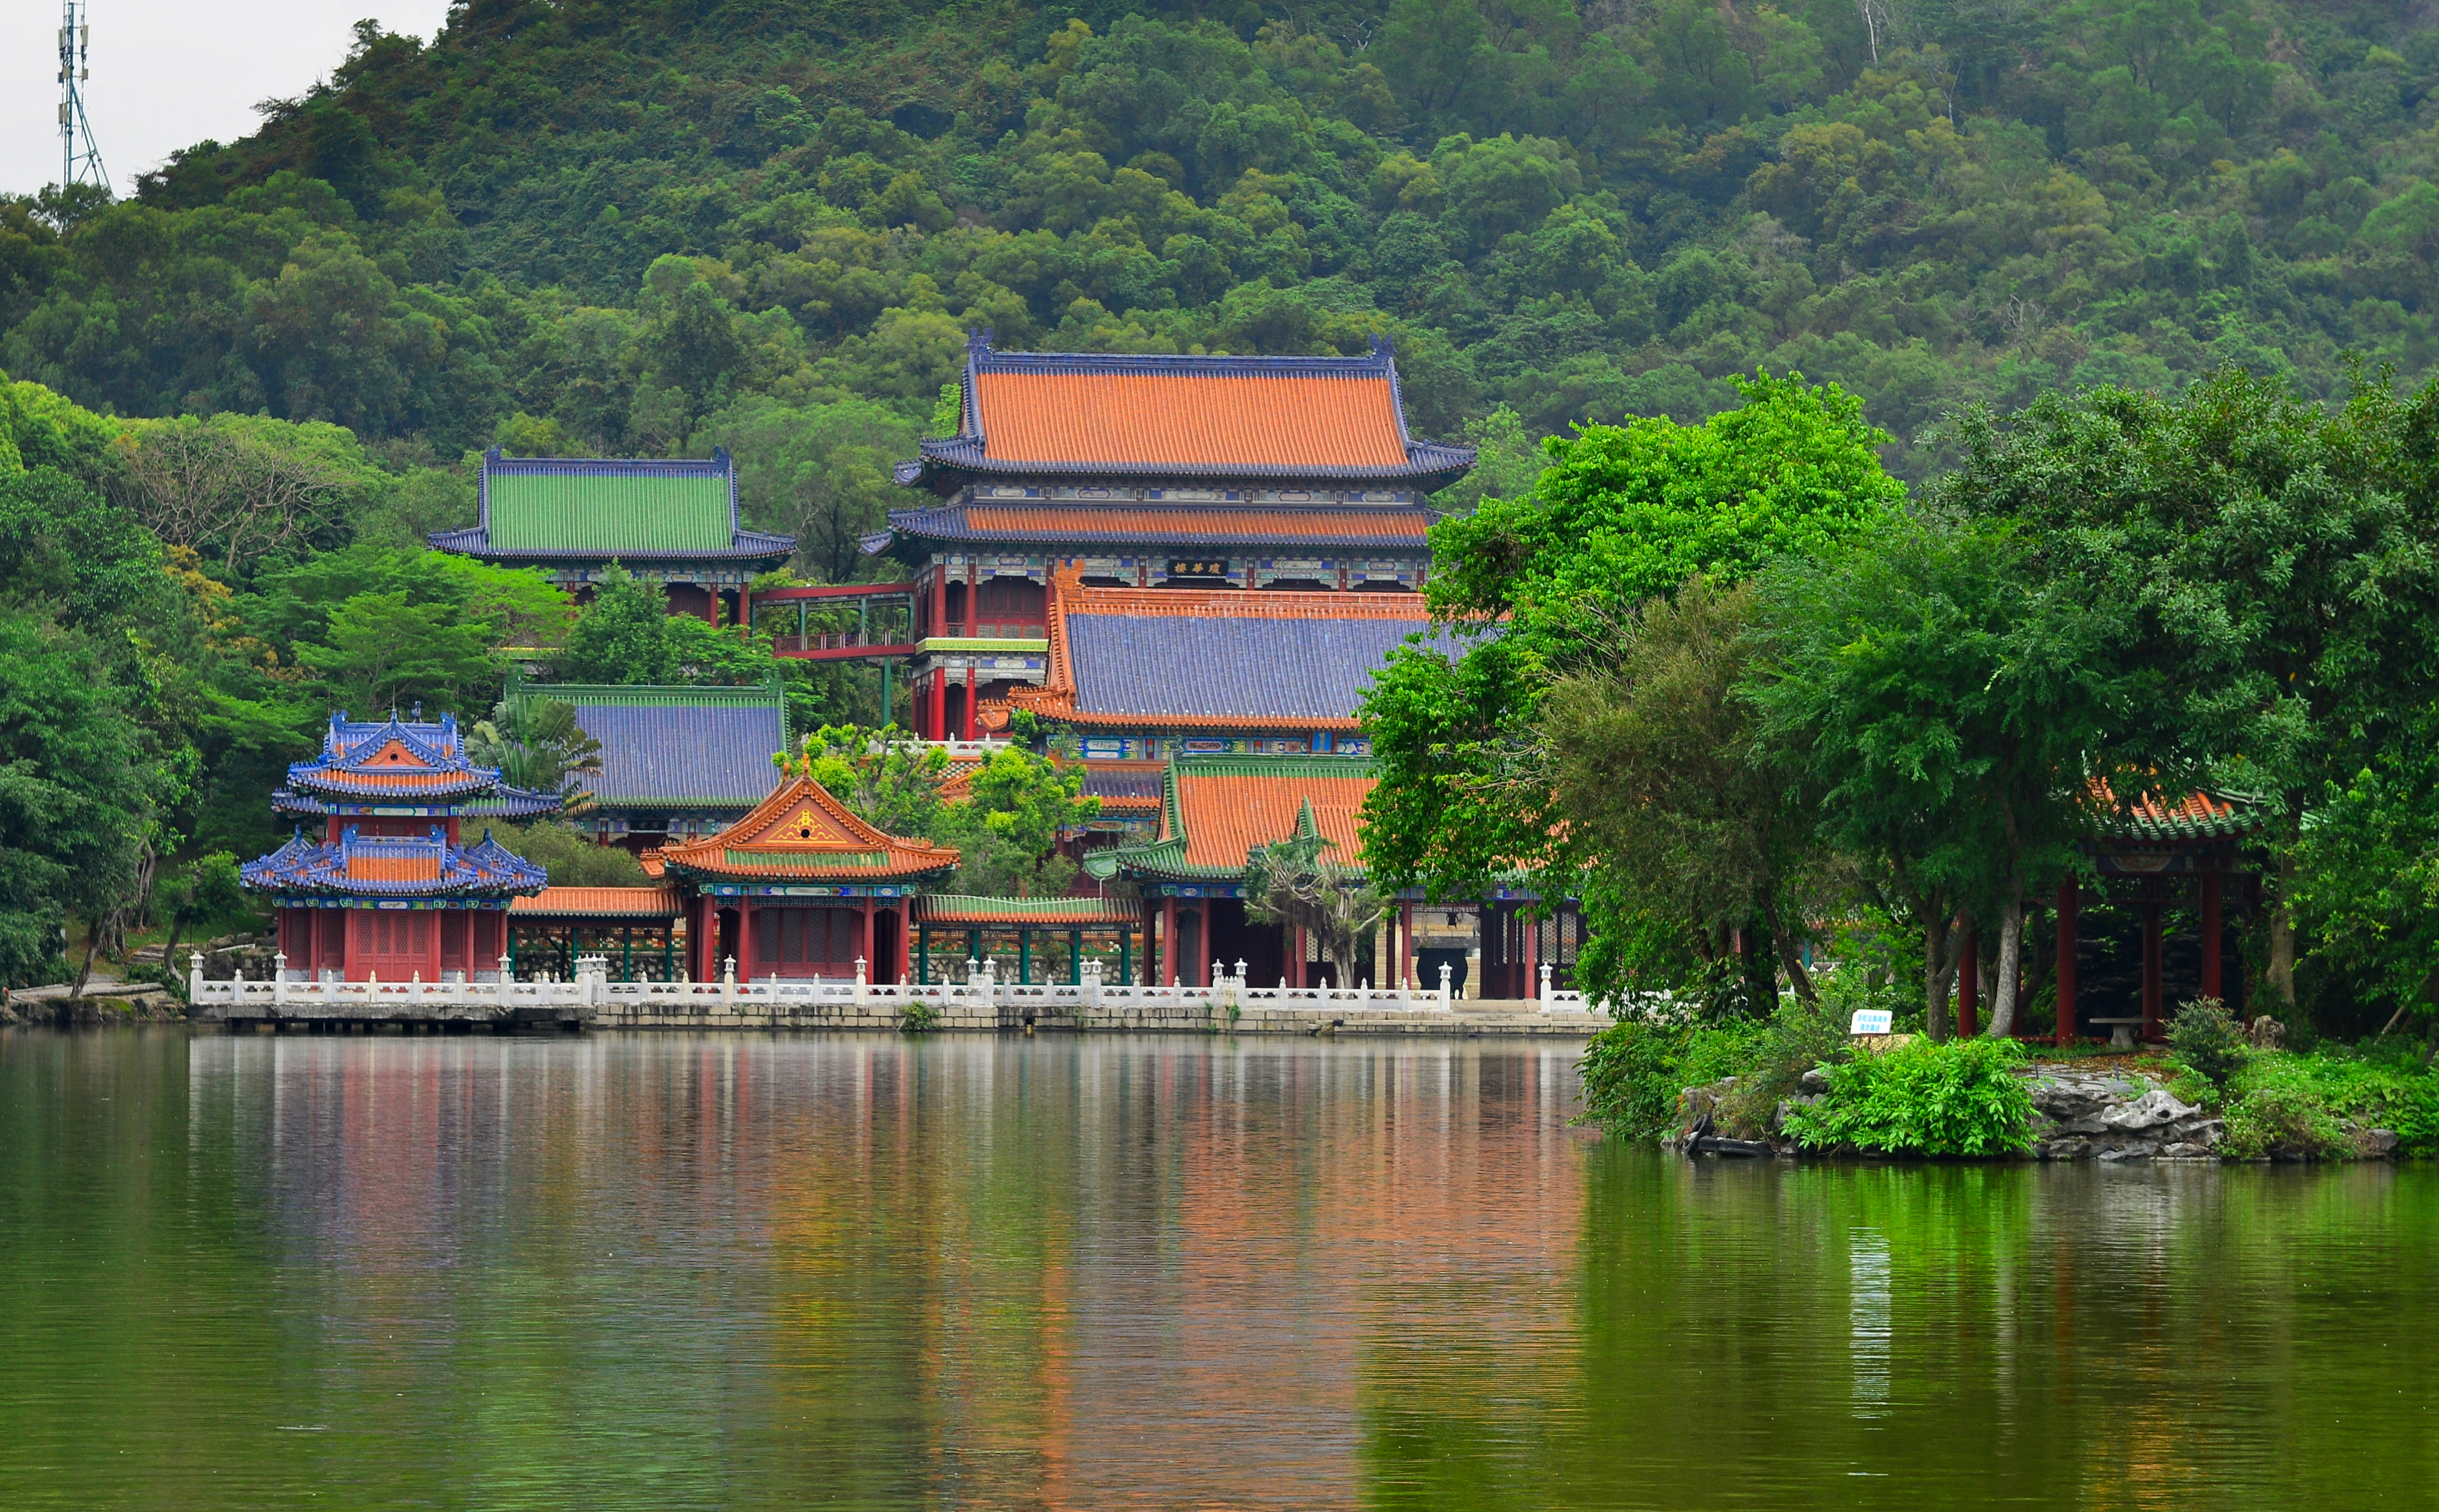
(168, 73)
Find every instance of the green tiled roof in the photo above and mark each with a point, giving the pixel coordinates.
(634, 508)
(601, 515)
(794, 859)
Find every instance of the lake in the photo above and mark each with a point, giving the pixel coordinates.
(674, 1272)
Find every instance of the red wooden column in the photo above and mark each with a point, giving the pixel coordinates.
(970, 702)
(1405, 943)
(1968, 985)
(864, 941)
(937, 726)
(939, 625)
(2066, 906)
(1168, 962)
(2212, 981)
(745, 962)
(1202, 946)
(2152, 1026)
(901, 961)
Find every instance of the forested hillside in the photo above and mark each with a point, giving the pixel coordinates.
(653, 227)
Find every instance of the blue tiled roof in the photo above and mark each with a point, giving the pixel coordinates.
(668, 754)
(418, 763)
(1249, 669)
(393, 867)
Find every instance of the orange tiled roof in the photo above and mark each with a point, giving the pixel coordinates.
(1189, 420)
(1081, 412)
(1218, 809)
(602, 902)
(421, 868)
(802, 833)
(2195, 816)
(1227, 810)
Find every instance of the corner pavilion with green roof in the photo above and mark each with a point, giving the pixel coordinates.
(669, 521)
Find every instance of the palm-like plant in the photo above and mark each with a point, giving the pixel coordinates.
(538, 746)
(1299, 881)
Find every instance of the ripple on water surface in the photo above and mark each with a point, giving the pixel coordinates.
(678, 1272)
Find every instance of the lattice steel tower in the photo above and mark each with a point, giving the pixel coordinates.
(78, 164)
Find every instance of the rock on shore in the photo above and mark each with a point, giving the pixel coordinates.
(2111, 1115)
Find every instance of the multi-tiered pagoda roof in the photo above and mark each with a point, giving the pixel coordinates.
(375, 783)
(394, 766)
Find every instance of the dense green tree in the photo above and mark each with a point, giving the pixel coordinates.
(2273, 561)
(1533, 587)
(1949, 709)
(78, 794)
(885, 776)
(1695, 838)
(1008, 829)
(537, 745)
(1583, 212)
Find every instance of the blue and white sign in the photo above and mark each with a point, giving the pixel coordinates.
(1870, 1021)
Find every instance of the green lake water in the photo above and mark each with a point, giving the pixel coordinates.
(662, 1271)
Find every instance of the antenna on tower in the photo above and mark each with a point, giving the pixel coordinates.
(78, 164)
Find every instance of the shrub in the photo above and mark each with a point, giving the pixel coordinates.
(1958, 1098)
(1633, 1070)
(2206, 1039)
(918, 1017)
(1798, 1037)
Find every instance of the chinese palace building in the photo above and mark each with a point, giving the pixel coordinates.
(1201, 473)
(671, 522)
(800, 887)
(384, 885)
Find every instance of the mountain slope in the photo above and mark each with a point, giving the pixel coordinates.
(635, 227)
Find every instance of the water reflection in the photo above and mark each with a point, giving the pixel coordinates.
(729, 1271)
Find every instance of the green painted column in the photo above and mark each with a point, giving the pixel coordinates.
(1075, 957)
(923, 954)
(627, 953)
(1025, 954)
(1126, 955)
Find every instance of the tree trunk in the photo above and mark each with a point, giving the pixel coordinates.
(1761, 970)
(2280, 975)
(1941, 940)
(92, 942)
(1791, 959)
(2011, 958)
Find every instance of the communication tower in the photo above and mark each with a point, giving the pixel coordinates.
(77, 164)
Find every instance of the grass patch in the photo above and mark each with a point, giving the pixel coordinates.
(2314, 1104)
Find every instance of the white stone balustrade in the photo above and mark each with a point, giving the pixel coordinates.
(983, 1000)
